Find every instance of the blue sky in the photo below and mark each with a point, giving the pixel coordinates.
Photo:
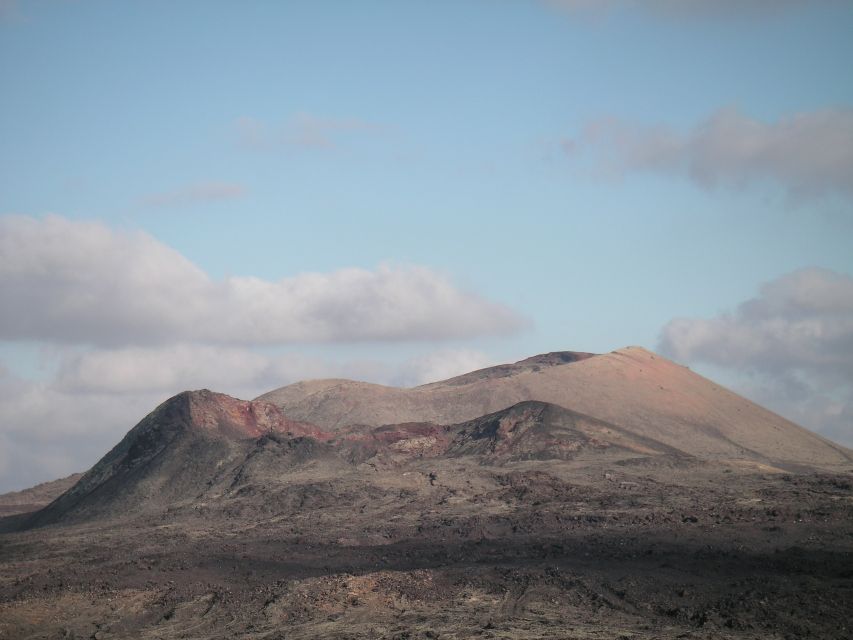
(591, 170)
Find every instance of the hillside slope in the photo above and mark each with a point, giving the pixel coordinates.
(635, 389)
(201, 450)
(216, 517)
(170, 457)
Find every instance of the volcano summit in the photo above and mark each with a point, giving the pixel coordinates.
(568, 495)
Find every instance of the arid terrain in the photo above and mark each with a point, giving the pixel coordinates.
(569, 495)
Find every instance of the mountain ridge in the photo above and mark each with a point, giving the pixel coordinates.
(577, 407)
(632, 387)
(190, 431)
(218, 516)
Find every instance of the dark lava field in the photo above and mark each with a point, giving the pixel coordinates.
(219, 518)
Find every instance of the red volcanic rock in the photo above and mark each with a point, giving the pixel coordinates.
(217, 413)
(172, 454)
(413, 438)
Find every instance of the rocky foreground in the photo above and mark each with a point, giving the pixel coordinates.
(440, 552)
(220, 518)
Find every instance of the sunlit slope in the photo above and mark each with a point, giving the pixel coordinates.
(633, 388)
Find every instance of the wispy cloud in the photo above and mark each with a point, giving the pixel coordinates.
(441, 365)
(685, 8)
(130, 321)
(303, 130)
(10, 10)
(240, 371)
(809, 154)
(795, 342)
(66, 281)
(198, 193)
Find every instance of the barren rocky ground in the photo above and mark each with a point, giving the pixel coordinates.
(218, 518)
(519, 552)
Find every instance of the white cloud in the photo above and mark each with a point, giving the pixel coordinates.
(441, 365)
(808, 154)
(198, 193)
(825, 409)
(794, 341)
(133, 322)
(46, 433)
(241, 372)
(303, 130)
(65, 281)
(802, 320)
(137, 370)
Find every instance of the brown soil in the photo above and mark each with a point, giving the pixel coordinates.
(444, 549)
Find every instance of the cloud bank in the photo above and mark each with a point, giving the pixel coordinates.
(65, 281)
(809, 154)
(794, 341)
(240, 371)
(128, 322)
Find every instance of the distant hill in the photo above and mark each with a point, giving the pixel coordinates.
(633, 388)
(35, 497)
(170, 456)
(568, 495)
(202, 449)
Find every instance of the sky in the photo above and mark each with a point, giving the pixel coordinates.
(240, 195)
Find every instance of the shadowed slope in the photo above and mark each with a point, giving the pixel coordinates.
(535, 430)
(208, 451)
(171, 455)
